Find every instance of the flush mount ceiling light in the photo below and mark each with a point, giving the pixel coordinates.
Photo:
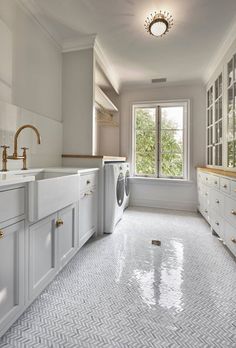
(158, 24)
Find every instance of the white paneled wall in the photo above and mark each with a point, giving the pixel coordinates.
(48, 153)
(5, 62)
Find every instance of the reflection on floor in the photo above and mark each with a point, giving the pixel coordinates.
(122, 291)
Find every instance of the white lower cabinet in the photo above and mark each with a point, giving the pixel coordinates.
(51, 246)
(87, 215)
(12, 277)
(66, 234)
(217, 204)
(42, 254)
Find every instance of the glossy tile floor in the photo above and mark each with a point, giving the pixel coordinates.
(122, 291)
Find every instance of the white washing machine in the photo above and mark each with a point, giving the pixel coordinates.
(114, 195)
(126, 170)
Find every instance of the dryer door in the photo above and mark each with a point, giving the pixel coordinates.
(120, 189)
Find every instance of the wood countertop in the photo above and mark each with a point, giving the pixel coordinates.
(104, 158)
(227, 173)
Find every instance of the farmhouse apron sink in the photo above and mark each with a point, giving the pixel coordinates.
(52, 190)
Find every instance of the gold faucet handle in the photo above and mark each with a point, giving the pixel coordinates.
(5, 147)
(25, 148)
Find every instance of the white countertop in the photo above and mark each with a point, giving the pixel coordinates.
(14, 177)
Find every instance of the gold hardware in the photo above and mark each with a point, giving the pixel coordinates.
(206, 211)
(15, 156)
(217, 201)
(59, 222)
(206, 194)
(24, 157)
(88, 193)
(1, 234)
(233, 240)
(225, 186)
(4, 158)
(217, 223)
(88, 182)
(233, 212)
(216, 182)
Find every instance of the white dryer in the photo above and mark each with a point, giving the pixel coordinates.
(126, 170)
(114, 195)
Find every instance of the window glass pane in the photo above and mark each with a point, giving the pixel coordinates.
(172, 117)
(145, 141)
(172, 141)
(172, 165)
(171, 133)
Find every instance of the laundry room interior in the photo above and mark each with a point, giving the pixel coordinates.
(117, 173)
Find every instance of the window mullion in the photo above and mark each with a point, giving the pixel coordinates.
(158, 133)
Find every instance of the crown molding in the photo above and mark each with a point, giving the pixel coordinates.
(81, 43)
(33, 10)
(104, 64)
(222, 50)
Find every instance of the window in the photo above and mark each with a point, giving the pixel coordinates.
(160, 136)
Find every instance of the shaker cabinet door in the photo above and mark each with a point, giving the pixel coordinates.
(11, 273)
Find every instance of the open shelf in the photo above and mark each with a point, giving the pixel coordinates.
(101, 99)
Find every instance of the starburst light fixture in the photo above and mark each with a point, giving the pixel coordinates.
(158, 23)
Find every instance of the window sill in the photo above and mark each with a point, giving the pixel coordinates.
(154, 181)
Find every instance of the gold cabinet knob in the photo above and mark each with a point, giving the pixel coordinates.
(88, 182)
(216, 182)
(59, 222)
(206, 211)
(217, 223)
(225, 186)
(233, 240)
(1, 234)
(217, 201)
(233, 212)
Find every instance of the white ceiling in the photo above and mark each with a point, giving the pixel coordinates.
(200, 27)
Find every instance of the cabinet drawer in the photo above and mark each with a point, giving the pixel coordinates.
(233, 188)
(225, 185)
(217, 202)
(230, 237)
(215, 181)
(230, 210)
(87, 181)
(12, 204)
(206, 178)
(217, 224)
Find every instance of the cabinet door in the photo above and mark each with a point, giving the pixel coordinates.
(11, 273)
(42, 255)
(66, 234)
(87, 215)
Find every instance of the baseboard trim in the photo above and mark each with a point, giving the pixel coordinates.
(149, 203)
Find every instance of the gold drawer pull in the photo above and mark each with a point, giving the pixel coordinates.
(1, 234)
(88, 182)
(59, 222)
(233, 240)
(216, 182)
(217, 223)
(233, 212)
(217, 201)
(225, 186)
(206, 179)
(206, 211)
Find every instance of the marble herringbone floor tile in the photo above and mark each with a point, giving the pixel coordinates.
(122, 291)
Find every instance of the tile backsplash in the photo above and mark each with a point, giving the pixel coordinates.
(48, 153)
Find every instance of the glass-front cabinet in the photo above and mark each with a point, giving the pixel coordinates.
(214, 122)
(231, 117)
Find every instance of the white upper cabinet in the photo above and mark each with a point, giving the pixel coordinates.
(231, 105)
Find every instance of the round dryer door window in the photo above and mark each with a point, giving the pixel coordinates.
(127, 188)
(120, 189)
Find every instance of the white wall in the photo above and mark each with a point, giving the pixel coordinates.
(30, 84)
(78, 102)
(159, 193)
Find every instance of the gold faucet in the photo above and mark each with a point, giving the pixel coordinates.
(15, 156)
